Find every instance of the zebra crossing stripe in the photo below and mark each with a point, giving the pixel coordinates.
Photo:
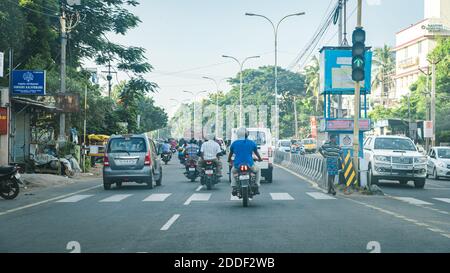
(446, 200)
(157, 197)
(74, 198)
(281, 196)
(413, 201)
(320, 196)
(116, 198)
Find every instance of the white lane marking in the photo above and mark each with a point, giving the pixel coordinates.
(234, 198)
(281, 196)
(446, 200)
(320, 196)
(309, 181)
(48, 200)
(74, 198)
(157, 197)
(199, 188)
(116, 198)
(411, 200)
(198, 197)
(170, 222)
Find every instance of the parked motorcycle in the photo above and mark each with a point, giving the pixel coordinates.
(209, 174)
(191, 170)
(246, 184)
(9, 182)
(166, 157)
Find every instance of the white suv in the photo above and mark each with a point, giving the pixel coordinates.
(395, 158)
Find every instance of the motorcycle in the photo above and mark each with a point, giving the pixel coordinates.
(166, 157)
(246, 184)
(191, 170)
(9, 182)
(209, 174)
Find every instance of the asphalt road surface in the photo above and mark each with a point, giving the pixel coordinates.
(290, 215)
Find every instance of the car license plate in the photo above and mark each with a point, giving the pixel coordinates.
(17, 176)
(209, 171)
(244, 177)
(402, 167)
(126, 162)
(191, 169)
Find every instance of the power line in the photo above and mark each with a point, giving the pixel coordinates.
(34, 10)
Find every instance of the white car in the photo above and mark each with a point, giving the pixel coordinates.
(439, 162)
(284, 145)
(395, 158)
(262, 137)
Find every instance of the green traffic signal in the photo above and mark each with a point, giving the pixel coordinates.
(358, 54)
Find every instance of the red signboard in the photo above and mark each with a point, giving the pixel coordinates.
(346, 125)
(3, 121)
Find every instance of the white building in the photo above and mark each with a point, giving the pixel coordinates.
(415, 42)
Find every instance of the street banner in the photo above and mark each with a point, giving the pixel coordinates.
(346, 125)
(313, 121)
(28, 82)
(3, 121)
(428, 128)
(336, 71)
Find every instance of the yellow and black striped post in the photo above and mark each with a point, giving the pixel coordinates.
(347, 168)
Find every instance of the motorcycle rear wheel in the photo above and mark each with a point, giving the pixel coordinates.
(10, 190)
(245, 197)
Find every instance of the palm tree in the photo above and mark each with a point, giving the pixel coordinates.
(312, 79)
(383, 69)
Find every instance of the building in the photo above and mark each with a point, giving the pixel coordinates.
(415, 42)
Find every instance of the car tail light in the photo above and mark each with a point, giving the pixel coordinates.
(148, 159)
(105, 160)
(270, 152)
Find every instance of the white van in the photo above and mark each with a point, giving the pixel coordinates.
(262, 137)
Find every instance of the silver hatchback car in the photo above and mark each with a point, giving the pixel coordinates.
(131, 158)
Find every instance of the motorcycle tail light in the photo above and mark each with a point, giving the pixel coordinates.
(244, 168)
(208, 162)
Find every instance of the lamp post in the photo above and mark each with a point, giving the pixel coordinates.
(241, 65)
(275, 32)
(217, 82)
(194, 95)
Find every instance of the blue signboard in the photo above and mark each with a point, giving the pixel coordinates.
(28, 82)
(336, 71)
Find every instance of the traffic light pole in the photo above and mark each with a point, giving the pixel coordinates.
(357, 107)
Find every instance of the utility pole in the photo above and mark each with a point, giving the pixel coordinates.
(428, 74)
(62, 116)
(433, 101)
(339, 113)
(109, 77)
(295, 118)
(74, 19)
(357, 105)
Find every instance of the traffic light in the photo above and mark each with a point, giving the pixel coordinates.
(358, 54)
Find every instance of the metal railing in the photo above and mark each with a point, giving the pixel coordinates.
(311, 167)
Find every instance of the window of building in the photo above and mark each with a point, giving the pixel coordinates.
(419, 47)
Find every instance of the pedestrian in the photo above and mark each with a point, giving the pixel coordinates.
(331, 151)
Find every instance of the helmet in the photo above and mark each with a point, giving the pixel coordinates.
(242, 133)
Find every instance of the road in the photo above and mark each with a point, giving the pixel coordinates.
(290, 215)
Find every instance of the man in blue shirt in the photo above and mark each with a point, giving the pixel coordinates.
(243, 150)
(166, 147)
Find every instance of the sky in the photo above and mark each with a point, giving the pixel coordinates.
(185, 39)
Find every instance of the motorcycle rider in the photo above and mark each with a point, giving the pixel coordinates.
(165, 148)
(243, 150)
(192, 150)
(210, 151)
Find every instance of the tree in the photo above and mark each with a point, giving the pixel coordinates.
(312, 80)
(384, 68)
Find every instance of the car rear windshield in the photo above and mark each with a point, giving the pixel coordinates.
(128, 145)
(285, 143)
(258, 137)
(444, 153)
(308, 141)
(394, 144)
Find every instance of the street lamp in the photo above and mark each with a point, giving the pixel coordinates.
(241, 65)
(217, 82)
(194, 95)
(275, 31)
